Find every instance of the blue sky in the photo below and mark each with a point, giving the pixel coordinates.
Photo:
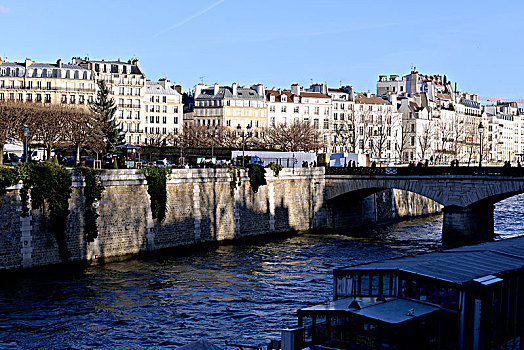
(277, 43)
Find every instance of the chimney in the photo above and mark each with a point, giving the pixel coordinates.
(295, 89)
(215, 90)
(235, 87)
(198, 89)
(0, 60)
(27, 62)
(259, 88)
(178, 88)
(58, 63)
(164, 83)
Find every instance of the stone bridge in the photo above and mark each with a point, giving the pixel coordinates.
(468, 195)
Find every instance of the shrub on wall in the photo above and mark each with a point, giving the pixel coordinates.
(156, 187)
(49, 184)
(93, 193)
(256, 175)
(275, 167)
(8, 177)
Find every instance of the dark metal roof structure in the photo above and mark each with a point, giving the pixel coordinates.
(459, 265)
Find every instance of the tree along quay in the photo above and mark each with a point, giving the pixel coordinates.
(202, 207)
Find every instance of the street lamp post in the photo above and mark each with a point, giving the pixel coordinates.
(481, 134)
(243, 135)
(26, 134)
(213, 132)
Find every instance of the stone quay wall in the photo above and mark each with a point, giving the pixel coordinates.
(202, 207)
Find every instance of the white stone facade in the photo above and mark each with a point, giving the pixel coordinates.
(163, 111)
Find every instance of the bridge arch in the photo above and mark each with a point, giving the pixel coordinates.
(467, 200)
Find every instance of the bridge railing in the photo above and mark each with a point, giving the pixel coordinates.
(510, 171)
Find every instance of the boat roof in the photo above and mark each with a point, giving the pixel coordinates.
(389, 310)
(459, 265)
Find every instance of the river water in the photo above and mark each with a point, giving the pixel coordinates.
(237, 293)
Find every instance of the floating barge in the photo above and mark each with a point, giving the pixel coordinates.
(464, 298)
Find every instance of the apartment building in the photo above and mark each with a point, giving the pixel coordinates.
(54, 83)
(127, 82)
(301, 105)
(230, 106)
(163, 111)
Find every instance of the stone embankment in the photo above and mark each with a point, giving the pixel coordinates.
(203, 206)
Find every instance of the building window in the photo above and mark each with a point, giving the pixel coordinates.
(157, 119)
(176, 120)
(326, 124)
(29, 97)
(47, 98)
(164, 120)
(316, 123)
(175, 109)
(283, 109)
(165, 109)
(164, 99)
(295, 110)
(317, 110)
(271, 108)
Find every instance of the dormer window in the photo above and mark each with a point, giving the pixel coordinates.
(283, 98)
(272, 98)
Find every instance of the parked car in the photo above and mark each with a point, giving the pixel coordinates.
(68, 160)
(87, 161)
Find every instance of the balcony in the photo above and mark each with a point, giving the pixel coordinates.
(48, 89)
(127, 105)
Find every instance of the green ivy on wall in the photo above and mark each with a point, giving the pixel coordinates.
(256, 175)
(156, 187)
(49, 184)
(93, 193)
(275, 167)
(8, 177)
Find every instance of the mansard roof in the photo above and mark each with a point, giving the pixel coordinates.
(154, 88)
(362, 98)
(227, 92)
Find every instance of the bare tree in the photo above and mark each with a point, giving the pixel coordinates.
(50, 123)
(84, 130)
(424, 138)
(292, 137)
(381, 134)
(403, 137)
(11, 123)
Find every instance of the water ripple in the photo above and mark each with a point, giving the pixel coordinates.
(243, 293)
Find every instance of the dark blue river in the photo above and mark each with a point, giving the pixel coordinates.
(241, 293)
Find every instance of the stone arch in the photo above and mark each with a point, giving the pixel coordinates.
(364, 187)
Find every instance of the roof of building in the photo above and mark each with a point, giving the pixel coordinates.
(313, 94)
(443, 96)
(154, 88)
(40, 65)
(470, 103)
(278, 95)
(389, 310)
(362, 98)
(227, 92)
(460, 265)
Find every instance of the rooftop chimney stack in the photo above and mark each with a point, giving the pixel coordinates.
(235, 89)
(58, 63)
(198, 89)
(295, 89)
(27, 62)
(215, 91)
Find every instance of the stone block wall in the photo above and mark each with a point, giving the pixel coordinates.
(202, 206)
